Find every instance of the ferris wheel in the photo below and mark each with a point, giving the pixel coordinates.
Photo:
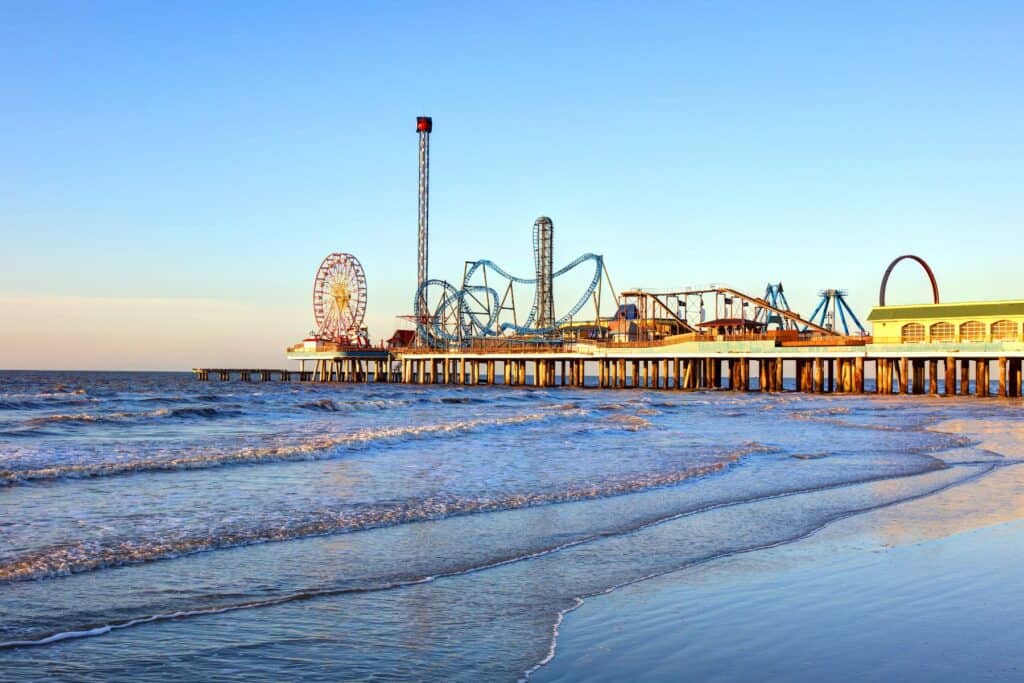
(339, 299)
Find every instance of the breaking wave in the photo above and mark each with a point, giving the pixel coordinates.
(331, 406)
(460, 399)
(629, 423)
(397, 582)
(78, 557)
(190, 412)
(827, 416)
(317, 448)
(43, 401)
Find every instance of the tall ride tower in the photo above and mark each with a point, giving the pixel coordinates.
(543, 239)
(424, 125)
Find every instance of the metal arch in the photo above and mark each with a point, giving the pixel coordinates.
(927, 269)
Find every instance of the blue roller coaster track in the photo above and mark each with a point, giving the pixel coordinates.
(474, 310)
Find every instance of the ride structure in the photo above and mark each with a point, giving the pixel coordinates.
(776, 298)
(714, 309)
(424, 126)
(833, 306)
(484, 305)
(339, 300)
(543, 257)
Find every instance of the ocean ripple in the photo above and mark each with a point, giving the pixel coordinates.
(85, 556)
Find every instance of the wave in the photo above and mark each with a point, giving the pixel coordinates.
(205, 398)
(43, 401)
(65, 389)
(68, 559)
(20, 404)
(77, 417)
(189, 412)
(576, 601)
(198, 411)
(33, 432)
(321, 404)
(331, 406)
(824, 417)
(629, 423)
(318, 448)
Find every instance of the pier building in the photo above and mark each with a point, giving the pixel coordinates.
(998, 324)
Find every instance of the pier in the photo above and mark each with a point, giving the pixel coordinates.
(733, 366)
(812, 371)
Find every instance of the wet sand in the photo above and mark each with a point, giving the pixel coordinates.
(929, 590)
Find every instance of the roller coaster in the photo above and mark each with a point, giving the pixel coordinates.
(484, 304)
(447, 315)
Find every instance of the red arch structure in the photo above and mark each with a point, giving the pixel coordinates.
(888, 272)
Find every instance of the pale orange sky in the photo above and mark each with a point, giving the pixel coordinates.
(68, 332)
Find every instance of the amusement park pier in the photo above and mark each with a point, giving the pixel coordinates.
(492, 327)
(750, 343)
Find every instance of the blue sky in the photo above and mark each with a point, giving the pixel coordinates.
(173, 173)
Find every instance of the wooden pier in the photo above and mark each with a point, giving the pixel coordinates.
(846, 374)
(829, 370)
(972, 348)
(347, 370)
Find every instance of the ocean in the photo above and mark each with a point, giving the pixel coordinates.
(156, 528)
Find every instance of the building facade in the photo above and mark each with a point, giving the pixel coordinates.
(987, 322)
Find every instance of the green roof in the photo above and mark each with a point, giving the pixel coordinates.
(965, 310)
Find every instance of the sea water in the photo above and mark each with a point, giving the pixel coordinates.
(153, 527)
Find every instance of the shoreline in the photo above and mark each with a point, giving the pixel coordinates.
(597, 637)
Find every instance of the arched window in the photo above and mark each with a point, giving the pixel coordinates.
(942, 332)
(972, 331)
(912, 333)
(1004, 330)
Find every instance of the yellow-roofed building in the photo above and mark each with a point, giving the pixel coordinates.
(990, 323)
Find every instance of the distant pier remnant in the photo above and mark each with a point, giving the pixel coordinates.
(543, 250)
(424, 126)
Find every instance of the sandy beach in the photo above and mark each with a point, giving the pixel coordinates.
(923, 590)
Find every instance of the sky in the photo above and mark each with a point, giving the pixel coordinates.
(172, 174)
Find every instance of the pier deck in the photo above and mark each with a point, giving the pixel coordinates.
(737, 366)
